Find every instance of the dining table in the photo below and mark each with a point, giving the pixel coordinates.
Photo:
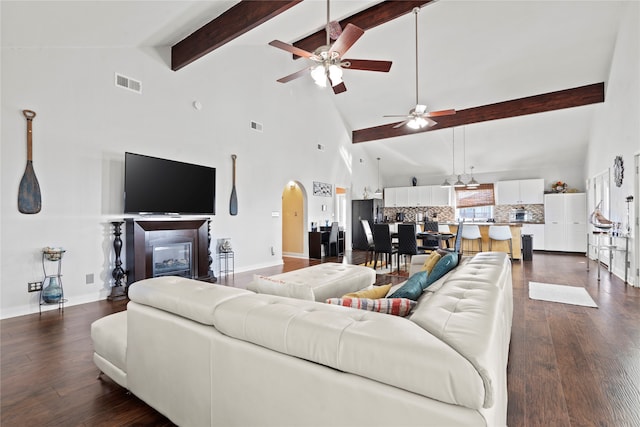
(423, 235)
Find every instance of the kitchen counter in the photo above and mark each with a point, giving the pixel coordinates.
(471, 246)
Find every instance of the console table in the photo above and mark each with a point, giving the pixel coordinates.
(605, 241)
(318, 238)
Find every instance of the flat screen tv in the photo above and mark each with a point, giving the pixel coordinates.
(161, 186)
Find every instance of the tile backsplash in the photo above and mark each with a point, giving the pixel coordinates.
(447, 213)
(411, 214)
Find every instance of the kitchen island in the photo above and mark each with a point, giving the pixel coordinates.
(472, 246)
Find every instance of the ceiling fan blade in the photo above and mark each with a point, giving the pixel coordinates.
(366, 64)
(349, 36)
(396, 115)
(399, 125)
(440, 113)
(339, 88)
(291, 49)
(295, 75)
(430, 122)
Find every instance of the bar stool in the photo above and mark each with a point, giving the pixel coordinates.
(501, 233)
(472, 232)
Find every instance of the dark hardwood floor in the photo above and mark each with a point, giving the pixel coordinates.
(568, 365)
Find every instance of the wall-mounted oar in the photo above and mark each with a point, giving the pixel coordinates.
(29, 199)
(233, 203)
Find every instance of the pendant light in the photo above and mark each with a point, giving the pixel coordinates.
(378, 190)
(446, 182)
(473, 183)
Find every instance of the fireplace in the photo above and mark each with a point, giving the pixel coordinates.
(168, 247)
(172, 259)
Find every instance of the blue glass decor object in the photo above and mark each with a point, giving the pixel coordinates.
(52, 293)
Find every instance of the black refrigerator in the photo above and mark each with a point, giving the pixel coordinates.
(369, 209)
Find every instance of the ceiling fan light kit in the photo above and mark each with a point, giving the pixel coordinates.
(328, 60)
(418, 117)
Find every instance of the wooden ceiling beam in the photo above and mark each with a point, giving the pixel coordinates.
(232, 23)
(366, 19)
(568, 98)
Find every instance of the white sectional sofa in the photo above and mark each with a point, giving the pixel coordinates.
(210, 355)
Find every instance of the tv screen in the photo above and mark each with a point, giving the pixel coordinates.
(160, 186)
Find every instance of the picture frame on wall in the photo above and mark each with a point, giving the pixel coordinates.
(322, 189)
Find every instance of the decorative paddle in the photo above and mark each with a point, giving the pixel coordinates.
(233, 203)
(29, 199)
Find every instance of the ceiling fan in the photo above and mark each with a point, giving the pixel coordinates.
(328, 60)
(418, 116)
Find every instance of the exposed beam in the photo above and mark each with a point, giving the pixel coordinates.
(234, 22)
(568, 98)
(367, 19)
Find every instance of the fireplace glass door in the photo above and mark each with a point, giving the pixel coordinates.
(174, 259)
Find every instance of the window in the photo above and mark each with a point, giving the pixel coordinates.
(475, 203)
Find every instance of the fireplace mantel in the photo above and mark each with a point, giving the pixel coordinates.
(143, 234)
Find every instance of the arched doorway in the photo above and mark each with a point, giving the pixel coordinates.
(293, 219)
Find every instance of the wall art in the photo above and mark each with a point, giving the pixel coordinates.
(322, 189)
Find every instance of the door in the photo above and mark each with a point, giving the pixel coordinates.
(293, 219)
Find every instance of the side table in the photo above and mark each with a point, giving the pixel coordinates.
(224, 259)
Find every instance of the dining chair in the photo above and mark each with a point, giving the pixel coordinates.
(430, 243)
(369, 236)
(382, 244)
(501, 233)
(407, 243)
(333, 241)
(445, 229)
(472, 232)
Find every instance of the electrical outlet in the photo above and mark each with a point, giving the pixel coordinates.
(89, 279)
(34, 286)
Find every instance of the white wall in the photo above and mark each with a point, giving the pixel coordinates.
(84, 125)
(616, 131)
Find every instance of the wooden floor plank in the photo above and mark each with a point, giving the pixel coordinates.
(568, 365)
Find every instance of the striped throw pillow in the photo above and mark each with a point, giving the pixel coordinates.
(394, 306)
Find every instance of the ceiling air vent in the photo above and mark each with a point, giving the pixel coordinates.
(128, 83)
(256, 126)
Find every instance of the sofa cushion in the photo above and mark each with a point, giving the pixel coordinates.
(274, 286)
(412, 288)
(395, 306)
(431, 261)
(321, 281)
(442, 267)
(374, 293)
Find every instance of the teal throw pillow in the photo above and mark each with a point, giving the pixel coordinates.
(413, 287)
(442, 267)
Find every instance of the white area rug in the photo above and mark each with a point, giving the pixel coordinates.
(560, 293)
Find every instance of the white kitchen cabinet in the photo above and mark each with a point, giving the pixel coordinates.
(537, 231)
(396, 197)
(439, 196)
(419, 196)
(390, 197)
(520, 192)
(565, 217)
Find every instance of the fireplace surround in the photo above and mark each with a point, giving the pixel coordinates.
(172, 246)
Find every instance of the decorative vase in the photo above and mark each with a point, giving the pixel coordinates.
(52, 293)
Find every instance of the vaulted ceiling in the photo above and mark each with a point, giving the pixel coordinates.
(472, 54)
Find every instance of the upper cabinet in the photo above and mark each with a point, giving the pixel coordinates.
(426, 195)
(524, 191)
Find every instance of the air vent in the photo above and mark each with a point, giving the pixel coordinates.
(128, 83)
(256, 126)
(320, 147)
